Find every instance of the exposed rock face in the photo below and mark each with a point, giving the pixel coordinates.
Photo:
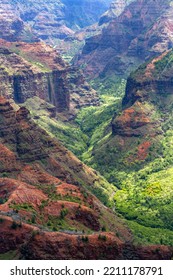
(142, 30)
(11, 25)
(145, 91)
(116, 8)
(134, 121)
(33, 243)
(85, 12)
(147, 103)
(47, 19)
(29, 70)
(72, 44)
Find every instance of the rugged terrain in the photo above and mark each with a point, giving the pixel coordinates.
(46, 210)
(44, 188)
(134, 152)
(53, 206)
(129, 142)
(47, 20)
(29, 70)
(141, 31)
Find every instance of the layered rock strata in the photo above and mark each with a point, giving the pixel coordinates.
(141, 31)
(29, 70)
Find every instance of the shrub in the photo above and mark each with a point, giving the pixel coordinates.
(103, 228)
(33, 219)
(85, 239)
(102, 237)
(63, 213)
(35, 232)
(14, 225)
(1, 220)
(54, 228)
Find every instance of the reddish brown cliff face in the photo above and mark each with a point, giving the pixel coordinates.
(146, 106)
(47, 20)
(11, 25)
(29, 70)
(143, 30)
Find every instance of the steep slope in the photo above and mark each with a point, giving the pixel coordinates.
(29, 70)
(47, 20)
(11, 25)
(142, 30)
(41, 215)
(115, 9)
(71, 45)
(34, 194)
(31, 143)
(137, 154)
(145, 116)
(85, 12)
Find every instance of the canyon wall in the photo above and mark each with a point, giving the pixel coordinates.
(29, 70)
(143, 30)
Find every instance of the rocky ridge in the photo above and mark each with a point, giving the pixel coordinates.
(47, 20)
(118, 49)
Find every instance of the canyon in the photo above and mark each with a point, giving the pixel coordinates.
(45, 206)
(47, 20)
(141, 31)
(86, 157)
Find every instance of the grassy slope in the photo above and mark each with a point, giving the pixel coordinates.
(71, 135)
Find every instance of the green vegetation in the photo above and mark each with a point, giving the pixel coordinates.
(16, 225)
(145, 189)
(164, 64)
(102, 237)
(68, 49)
(147, 201)
(85, 239)
(58, 223)
(22, 206)
(30, 58)
(147, 235)
(76, 139)
(63, 213)
(111, 86)
(1, 220)
(2, 200)
(54, 196)
(10, 255)
(67, 133)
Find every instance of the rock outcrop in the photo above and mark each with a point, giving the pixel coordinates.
(30, 143)
(116, 8)
(30, 242)
(29, 70)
